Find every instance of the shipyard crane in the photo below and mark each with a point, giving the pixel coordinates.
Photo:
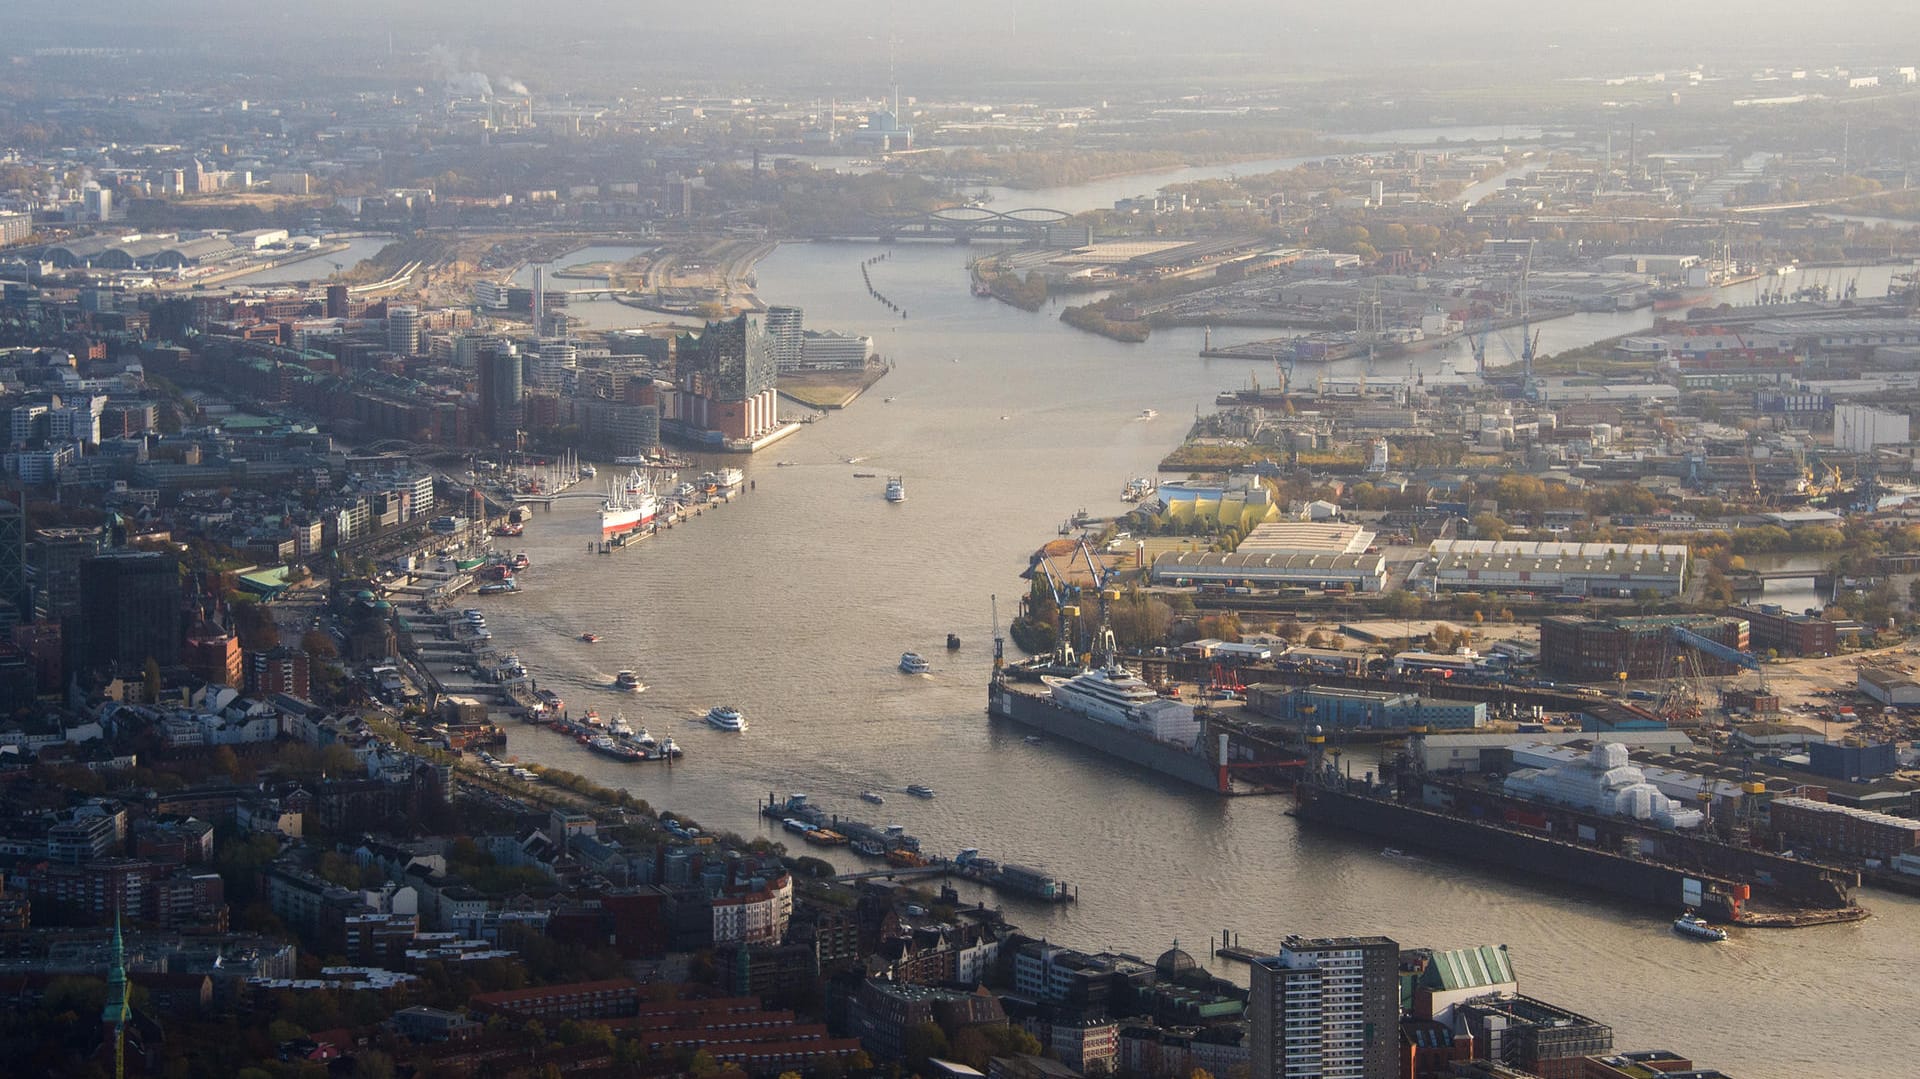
(999, 641)
(1103, 642)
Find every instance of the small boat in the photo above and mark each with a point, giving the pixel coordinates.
(796, 826)
(587, 472)
(1147, 413)
(607, 747)
(872, 796)
(628, 681)
(724, 718)
(1032, 739)
(590, 638)
(911, 663)
(521, 561)
(619, 727)
(953, 642)
(498, 588)
(667, 750)
(896, 489)
(920, 790)
(1692, 925)
(591, 719)
(508, 529)
(886, 400)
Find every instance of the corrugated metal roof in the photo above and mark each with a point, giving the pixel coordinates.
(1470, 968)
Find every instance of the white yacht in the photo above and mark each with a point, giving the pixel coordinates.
(912, 663)
(896, 489)
(628, 681)
(1116, 696)
(724, 718)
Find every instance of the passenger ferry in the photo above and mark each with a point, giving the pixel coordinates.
(920, 790)
(912, 663)
(896, 489)
(727, 719)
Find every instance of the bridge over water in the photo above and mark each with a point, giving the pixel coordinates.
(958, 223)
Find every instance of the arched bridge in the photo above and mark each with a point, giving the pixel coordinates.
(960, 222)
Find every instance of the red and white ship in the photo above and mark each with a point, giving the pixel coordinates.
(630, 507)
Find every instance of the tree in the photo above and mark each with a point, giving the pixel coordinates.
(319, 644)
(1489, 527)
(923, 1043)
(1224, 627)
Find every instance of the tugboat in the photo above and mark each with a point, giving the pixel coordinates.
(668, 751)
(607, 747)
(911, 663)
(629, 682)
(953, 642)
(1692, 925)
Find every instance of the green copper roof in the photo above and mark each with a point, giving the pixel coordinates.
(1469, 968)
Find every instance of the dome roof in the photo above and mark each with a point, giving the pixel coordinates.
(1174, 962)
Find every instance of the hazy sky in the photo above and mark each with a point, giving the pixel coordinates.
(948, 46)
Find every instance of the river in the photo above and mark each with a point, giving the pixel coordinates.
(317, 268)
(795, 602)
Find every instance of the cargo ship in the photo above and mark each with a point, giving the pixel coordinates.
(1117, 715)
(628, 508)
(1610, 855)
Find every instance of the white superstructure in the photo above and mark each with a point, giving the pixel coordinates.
(1603, 782)
(1114, 695)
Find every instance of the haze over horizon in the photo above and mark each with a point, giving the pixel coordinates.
(995, 47)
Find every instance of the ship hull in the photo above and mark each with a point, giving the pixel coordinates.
(620, 522)
(1044, 714)
(1642, 879)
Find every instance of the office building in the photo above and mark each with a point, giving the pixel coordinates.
(338, 302)
(130, 610)
(13, 563)
(785, 329)
(1536, 1037)
(1326, 1008)
(403, 329)
(551, 365)
(502, 390)
(1774, 629)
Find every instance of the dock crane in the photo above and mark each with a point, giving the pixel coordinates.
(1102, 643)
